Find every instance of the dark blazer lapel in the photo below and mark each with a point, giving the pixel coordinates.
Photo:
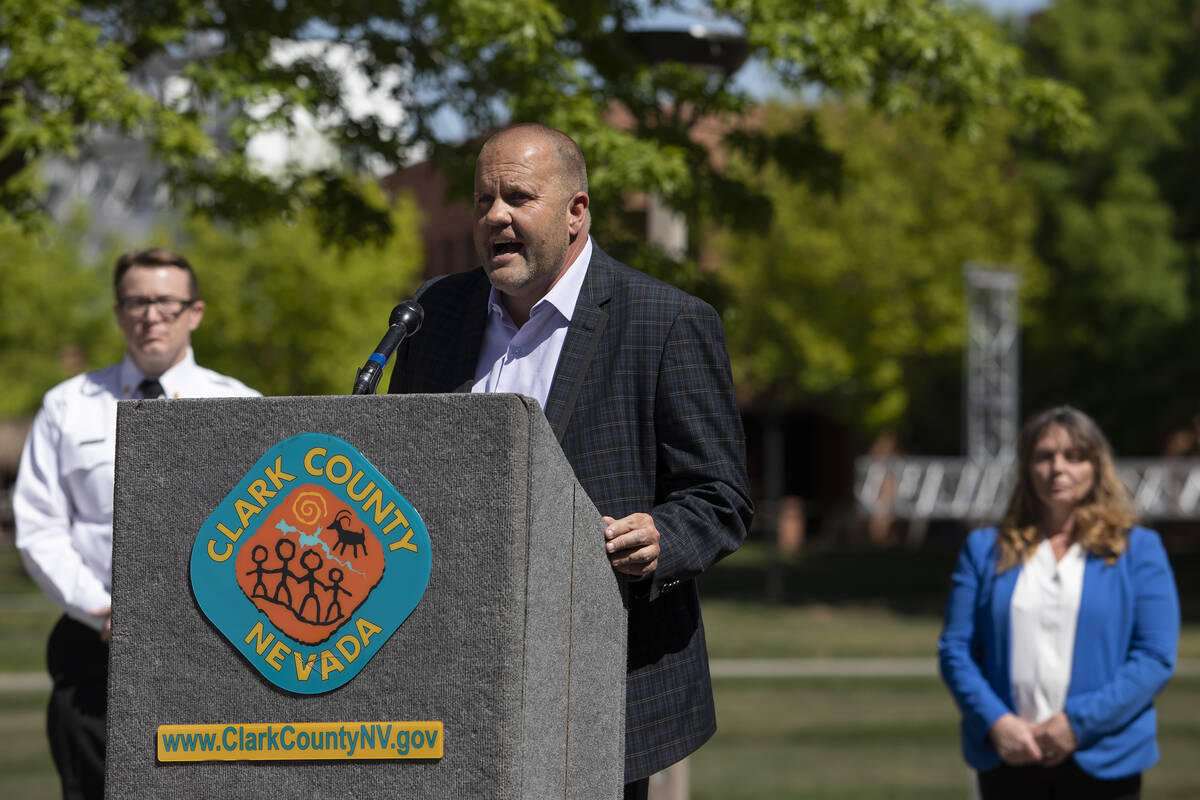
(474, 317)
(583, 337)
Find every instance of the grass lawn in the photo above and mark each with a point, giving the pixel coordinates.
(856, 604)
(869, 738)
(831, 738)
(842, 739)
(798, 738)
(743, 629)
(740, 629)
(26, 771)
(26, 618)
(784, 738)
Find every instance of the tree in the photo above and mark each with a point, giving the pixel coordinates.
(69, 66)
(293, 315)
(286, 312)
(853, 300)
(55, 314)
(1120, 222)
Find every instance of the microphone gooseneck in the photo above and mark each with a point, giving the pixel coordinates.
(405, 320)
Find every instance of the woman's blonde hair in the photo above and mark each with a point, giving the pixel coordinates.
(1102, 520)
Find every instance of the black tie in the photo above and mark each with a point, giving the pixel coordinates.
(151, 389)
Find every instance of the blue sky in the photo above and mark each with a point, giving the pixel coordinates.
(271, 150)
(697, 11)
(1018, 6)
(753, 77)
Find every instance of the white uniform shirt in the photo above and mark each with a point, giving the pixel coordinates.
(64, 492)
(1044, 613)
(523, 360)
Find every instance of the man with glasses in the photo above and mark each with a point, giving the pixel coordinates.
(63, 497)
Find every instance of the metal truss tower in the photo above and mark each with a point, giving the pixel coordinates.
(993, 369)
(976, 488)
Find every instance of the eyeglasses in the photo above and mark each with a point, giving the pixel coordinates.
(168, 307)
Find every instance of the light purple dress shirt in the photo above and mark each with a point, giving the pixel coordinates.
(523, 360)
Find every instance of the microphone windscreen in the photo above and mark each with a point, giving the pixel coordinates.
(409, 314)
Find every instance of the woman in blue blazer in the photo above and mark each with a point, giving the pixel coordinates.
(1061, 627)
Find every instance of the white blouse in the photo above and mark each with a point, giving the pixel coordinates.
(1044, 611)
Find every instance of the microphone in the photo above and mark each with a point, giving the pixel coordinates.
(405, 320)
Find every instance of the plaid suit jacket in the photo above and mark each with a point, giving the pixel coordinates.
(642, 402)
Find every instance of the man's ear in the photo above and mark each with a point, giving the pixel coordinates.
(196, 313)
(578, 211)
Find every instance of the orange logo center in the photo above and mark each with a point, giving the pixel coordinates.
(310, 564)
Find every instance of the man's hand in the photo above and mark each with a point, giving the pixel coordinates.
(632, 544)
(1056, 739)
(1015, 741)
(106, 615)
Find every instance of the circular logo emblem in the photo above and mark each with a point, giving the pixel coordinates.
(311, 563)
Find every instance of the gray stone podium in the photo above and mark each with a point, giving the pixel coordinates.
(517, 645)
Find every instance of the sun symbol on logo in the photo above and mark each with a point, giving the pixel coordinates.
(308, 507)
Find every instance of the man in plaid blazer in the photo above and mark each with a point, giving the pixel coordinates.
(634, 378)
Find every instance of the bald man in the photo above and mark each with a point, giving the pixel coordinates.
(634, 378)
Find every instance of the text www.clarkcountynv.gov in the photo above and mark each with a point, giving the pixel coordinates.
(299, 741)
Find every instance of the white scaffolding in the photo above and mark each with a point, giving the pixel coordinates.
(975, 488)
(993, 367)
(926, 488)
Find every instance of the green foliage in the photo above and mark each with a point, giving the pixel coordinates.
(1120, 226)
(290, 315)
(55, 314)
(903, 55)
(61, 76)
(69, 66)
(286, 312)
(851, 292)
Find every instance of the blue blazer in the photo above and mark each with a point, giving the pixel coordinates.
(1125, 644)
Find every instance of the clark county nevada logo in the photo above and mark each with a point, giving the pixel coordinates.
(311, 563)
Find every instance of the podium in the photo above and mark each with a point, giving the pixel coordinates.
(246, 536)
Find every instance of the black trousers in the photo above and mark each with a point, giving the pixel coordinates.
(637, 790)
(77, 659)
(1065, 781)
